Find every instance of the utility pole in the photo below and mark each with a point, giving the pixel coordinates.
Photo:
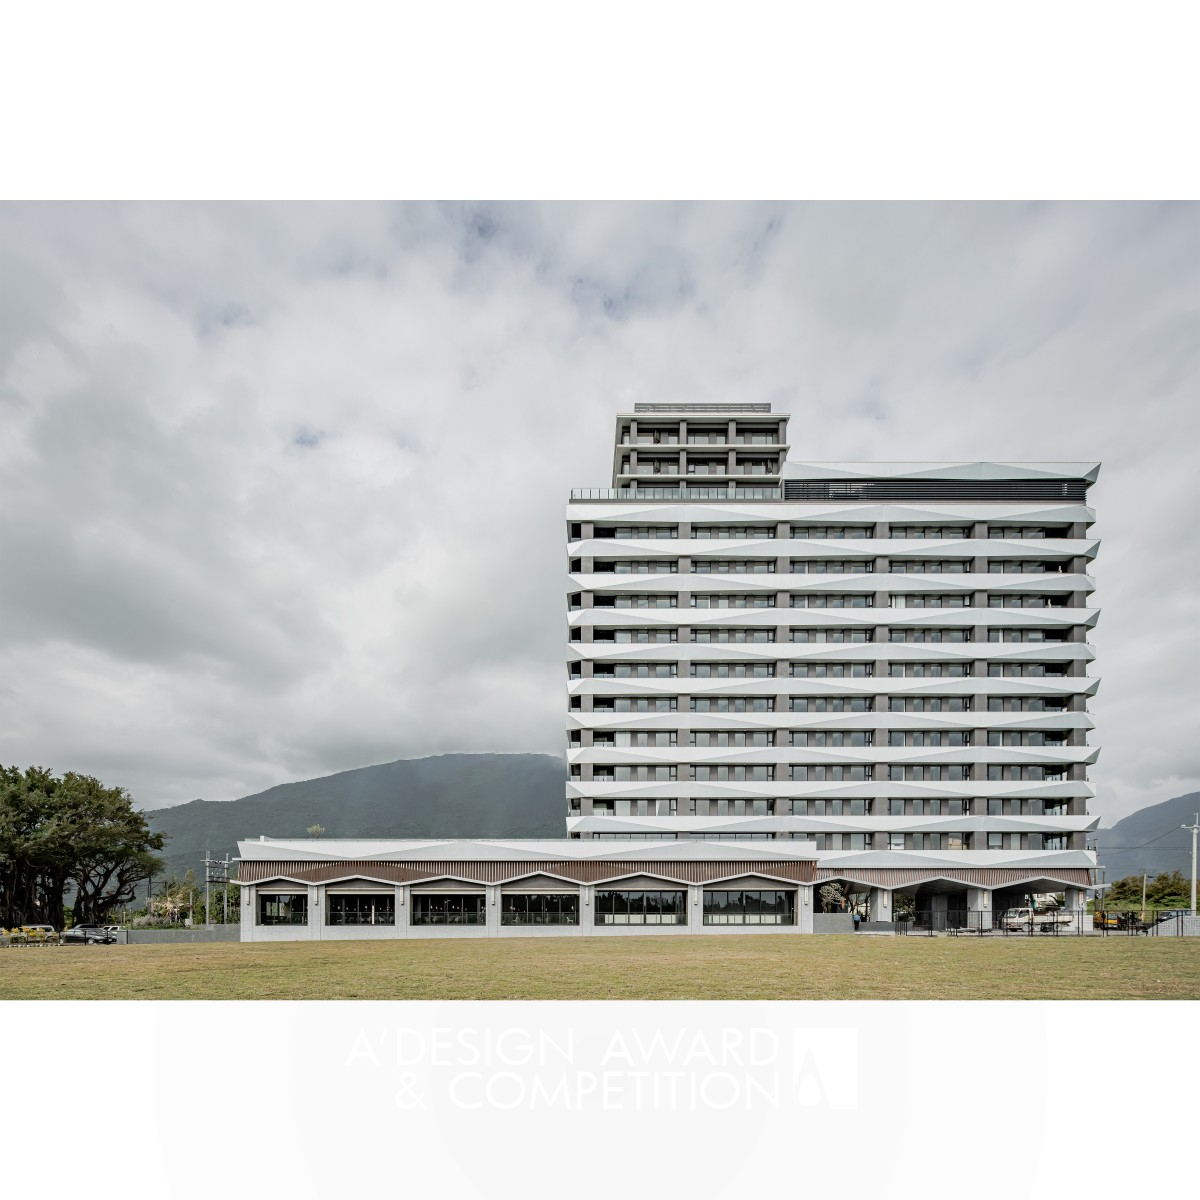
(1195, 828)
(1143, 895)
(216, 871)
(208, 902)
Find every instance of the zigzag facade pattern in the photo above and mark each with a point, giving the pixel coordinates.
(904, 682)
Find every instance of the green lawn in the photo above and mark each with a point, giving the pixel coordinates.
(678, 968)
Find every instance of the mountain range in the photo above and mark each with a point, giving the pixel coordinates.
(1150, 839)
(448, 796)
(519, 796)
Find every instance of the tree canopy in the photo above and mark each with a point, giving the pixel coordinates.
(69, 832)
(1167, 890)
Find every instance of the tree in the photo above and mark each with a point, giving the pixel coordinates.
(175, 895)
(221, 892)
(69, 832)
(114, 847)
(315, 831)
(1169, 890)
(1166, 890)
(35, 849)
(833, 898)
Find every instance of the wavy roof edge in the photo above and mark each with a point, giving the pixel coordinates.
(941, 470)
(503, 850)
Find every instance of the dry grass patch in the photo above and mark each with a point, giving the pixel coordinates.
(636, 968)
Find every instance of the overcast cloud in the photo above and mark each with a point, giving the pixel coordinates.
(282, 486)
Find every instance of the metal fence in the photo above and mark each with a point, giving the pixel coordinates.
(1024, 923)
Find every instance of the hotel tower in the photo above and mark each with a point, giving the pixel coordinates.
(889, 660)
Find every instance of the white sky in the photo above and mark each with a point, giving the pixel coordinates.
(282, 486)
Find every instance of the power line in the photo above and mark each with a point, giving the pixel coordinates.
(1149, 843)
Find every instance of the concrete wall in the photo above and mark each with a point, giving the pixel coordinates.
(833, 923)
(200, 933)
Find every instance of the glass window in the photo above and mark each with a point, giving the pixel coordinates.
(641, 908)
(733, 635)
(735, 566)
(923, 600)
(732, 670)
(759, 774)
(375, 908)
(832, 703)
(639, 532)
(736, 738)
(283, 908)
(837, 773)
(634, 704)
(817, 600)
(701, 532)
(633, 601)
(728, 600)
(749, 907)
(448, 909)
(732, 808)
(832, 532)
(553, 909)
(840, 737)
(634, 636)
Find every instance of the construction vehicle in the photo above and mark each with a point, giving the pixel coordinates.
(1123, 922)
(1047, 920)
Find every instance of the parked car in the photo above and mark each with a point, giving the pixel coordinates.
(88, 935)
(35, 935)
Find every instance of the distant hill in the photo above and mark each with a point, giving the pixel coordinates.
(1123, 850)
(452, 795)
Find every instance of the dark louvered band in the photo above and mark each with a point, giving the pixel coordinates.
(1019, 490)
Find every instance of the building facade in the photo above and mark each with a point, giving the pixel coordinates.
(330, 889)
(888, 660)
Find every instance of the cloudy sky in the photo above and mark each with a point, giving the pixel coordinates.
(281, 486)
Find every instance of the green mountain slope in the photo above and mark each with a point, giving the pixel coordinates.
(452, 795)
(1123, 848)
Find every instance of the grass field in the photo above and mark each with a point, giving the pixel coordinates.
(688, 968)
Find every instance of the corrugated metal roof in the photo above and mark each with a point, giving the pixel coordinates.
(984, 877)
(497, 850)
(498, 871)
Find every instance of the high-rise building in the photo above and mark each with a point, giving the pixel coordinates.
(889, 659)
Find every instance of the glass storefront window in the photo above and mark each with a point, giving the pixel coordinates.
(448, 909)
(553, 909)
(641, 908)
(376, 908)
(283, 908)
(749, 907)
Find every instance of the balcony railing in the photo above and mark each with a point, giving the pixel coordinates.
(686, 407)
